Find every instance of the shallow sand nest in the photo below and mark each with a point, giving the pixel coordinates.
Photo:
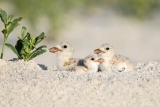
(27, 84)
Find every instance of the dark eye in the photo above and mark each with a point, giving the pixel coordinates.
(92, 59)
(65, 46)
(107, 48)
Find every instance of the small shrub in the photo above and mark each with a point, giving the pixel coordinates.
(25, 47)
(10, 24)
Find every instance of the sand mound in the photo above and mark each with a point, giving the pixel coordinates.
(25, 84)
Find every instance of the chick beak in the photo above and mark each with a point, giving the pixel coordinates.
(97, 51)
(54, 50)
(100, 60)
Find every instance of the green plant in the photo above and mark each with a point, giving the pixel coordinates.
(25, 47)
(9, 24)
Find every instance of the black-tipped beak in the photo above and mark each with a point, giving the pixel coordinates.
(54, 50)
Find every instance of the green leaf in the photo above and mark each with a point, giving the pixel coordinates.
(19, 46)
(27, 51)
(28, 37)
(13, 49)
(37, 53)
(43, 46)
(11, 28)
(16, 20)
(39, 48)
(13, 25)
(25, 44)
(23, 54)
(39, 38)
(10, 17)
(8, 25)
(3, 16)
(4, 31)
(24, 39)
(23, 32)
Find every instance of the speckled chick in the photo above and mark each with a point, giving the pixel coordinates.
(64, 60)
(113, 62)
(91, 63)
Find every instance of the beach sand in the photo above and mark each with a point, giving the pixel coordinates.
(27, 84)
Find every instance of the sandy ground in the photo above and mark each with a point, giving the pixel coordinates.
(25, 84)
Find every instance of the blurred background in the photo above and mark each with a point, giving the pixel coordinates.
(132, 27)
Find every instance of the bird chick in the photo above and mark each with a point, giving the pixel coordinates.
(91, 63)
(113, 62)
(64, 53)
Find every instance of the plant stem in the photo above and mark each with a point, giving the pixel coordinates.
(4, 42)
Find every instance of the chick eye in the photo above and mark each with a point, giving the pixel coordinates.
(65, 46)
(92, 59)
(107, 48)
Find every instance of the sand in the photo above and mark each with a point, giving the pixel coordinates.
(28, 84)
